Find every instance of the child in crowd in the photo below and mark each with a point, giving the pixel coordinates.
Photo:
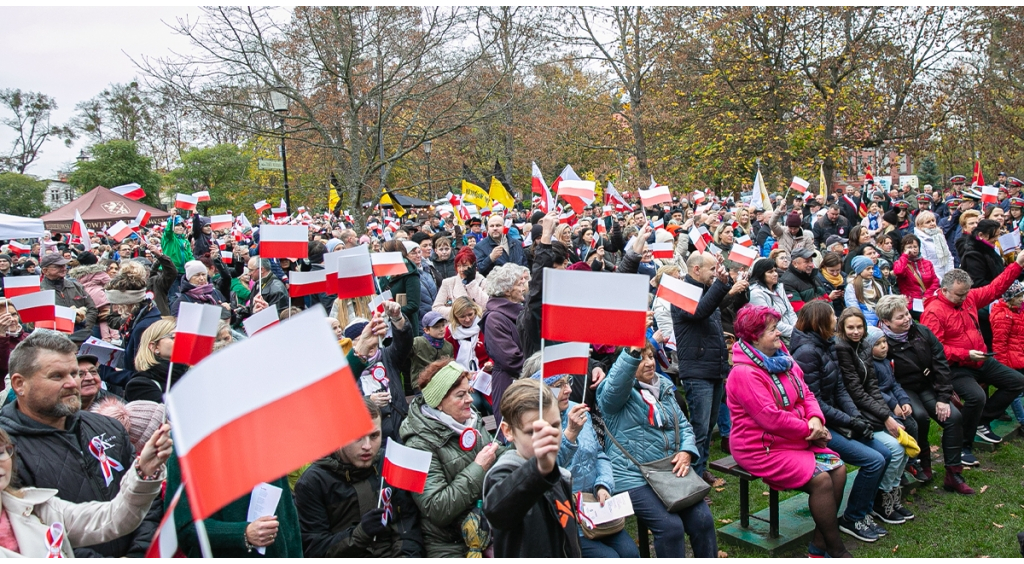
(1007, 319)
(430, 346)
(527, 498)
(897, 399)
(888, 279)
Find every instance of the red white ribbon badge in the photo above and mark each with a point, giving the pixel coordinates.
(579, 512)
(385, 496)
(380, 374)
(467, 440)
(54, 540)
(107, 465)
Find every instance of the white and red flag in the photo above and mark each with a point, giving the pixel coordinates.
(20, 285)
(37, 306)
(406, 468)
(279, 213)
(989, 195)
(680, 293)
(203, 196)
(79, 228)
(742, 255)
(657, 223)
(227, 257)
(19, 248)
(140, 220)
(284, 241)
(261, 206)
(539, 187)
(700, 237)
(387, 264)
(582, 189)
(132, 191)
(307, 283)
(185, 202)
(119, 231)
(745, 241)
(799, 184)
(264, 319)
(663, 251)
(63, 320)
(165, 540)
(565, 358)
(214, 432)
(616, 302)
(221, 222)
(698, 197)
(655, 194)
(569, 175)
(612, 196)
(195, 333)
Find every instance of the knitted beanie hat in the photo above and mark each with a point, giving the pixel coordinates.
(858, 264)
(146, 417)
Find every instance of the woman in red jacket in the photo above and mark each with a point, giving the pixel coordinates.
(915, 275)
(1007, 318)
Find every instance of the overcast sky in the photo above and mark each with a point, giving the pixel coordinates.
(71, 54)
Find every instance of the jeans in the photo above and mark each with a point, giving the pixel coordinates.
(704, 398)
(897, 463)
(1018, 409)
(619, 545)
(923, 404)
(872, 458)
(724, 421)
(979, 408)
(670, 529)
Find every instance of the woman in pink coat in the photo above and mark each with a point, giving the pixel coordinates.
(778, 431)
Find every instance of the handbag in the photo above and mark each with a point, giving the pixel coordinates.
(677, 493)
(602, 530)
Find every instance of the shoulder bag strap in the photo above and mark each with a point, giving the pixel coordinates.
(607, 433)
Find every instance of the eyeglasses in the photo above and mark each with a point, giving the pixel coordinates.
(6, 452)
(566, 381)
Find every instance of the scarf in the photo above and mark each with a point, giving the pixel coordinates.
(774, 365)
(447, 421)
(467, 337)
(202, 294)
(942, 254)
(651, 393)
(836, 281)
(434, 341)
(901, 337)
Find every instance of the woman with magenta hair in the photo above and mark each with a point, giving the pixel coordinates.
(778, 431)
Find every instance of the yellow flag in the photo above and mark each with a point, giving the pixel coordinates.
(386, 199)
(473, 194)
(332, 200)
(500, 194)
(821, 180)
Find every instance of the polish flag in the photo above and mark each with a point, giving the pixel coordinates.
(259, 321)
(582, 189)
(680, 293)
(977, 178)
(606, 211)
(119, 231)
(700, 238)
(658, 223)
(213, 432)
(618, 303)
(195, 333)
(387, 264)
(698, 197)
(539, 187)
(280, 212)
(19, 248)
(63, 320)
(37, 306)
(165, 540)
(742, 255)
(79, 228)
(663, 251)
(140, 220)
(284, 241)
(261, 206)
(131, 191)
(654, 195)
(203, 196)
(565, 358)
(221, 222)
(745, 241)
(20, 285)
(799, 184)
(568, 175)
(331, 265)
(354, 277)
(227, 257)
(306, 283)
(405, 468)
(568, 217)
(185, 201)
(612, 196)
(989, 195)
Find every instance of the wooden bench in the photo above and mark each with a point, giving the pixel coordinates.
(729, 466)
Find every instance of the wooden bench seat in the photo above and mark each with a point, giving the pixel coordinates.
(729, 466)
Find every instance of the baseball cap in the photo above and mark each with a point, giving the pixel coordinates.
(833, 239)
(52, 260)
(432, 318)
(802, 252)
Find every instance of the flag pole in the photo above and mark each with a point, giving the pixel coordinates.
(586, 380)
(167, 389)
(540, 396)
(204, 540)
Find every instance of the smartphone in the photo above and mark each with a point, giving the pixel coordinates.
(990, 354)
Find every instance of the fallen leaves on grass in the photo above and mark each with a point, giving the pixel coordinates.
(998, 526)
(934, 448)
(723, 554)
(1014, 515)
(725, 521)
(764, 493)
(719, 489)
(998, 505)
(983, 488)
(895, 548)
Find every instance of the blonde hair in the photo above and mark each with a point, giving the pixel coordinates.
(562, 227)
(459, 307)
(923, 217)
(967, 215)
(145, 359)
(667, 270)
(134, 268)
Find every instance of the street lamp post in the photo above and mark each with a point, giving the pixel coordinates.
(430, 186)
(280, 103)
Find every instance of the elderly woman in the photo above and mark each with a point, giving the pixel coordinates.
(778, 430)
(920, 365)
(152, 363)
(933, 246)
(197, 288)
(443, 422)
(466, 282)
(766, 290)
(641, 413)
(407, 284)
(507, 286)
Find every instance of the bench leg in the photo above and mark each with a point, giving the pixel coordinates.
(744, 503)
(643, 542)
(773, 514)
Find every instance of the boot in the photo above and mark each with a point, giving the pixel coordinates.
(725, 445)
(922, 471)
(955, 482)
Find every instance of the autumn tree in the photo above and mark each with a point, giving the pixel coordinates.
(31, 125)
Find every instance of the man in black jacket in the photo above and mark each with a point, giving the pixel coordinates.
(80, 454)
(831, 224)
(337, 499)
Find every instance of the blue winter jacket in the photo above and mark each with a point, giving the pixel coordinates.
(585, 459)
(625, 415)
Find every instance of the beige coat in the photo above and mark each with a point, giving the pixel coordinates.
(452, 288)
(85, 524)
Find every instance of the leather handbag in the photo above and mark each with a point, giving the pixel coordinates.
(602, 530)
(677, 493)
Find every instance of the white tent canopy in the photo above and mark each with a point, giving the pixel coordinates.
(14, 227)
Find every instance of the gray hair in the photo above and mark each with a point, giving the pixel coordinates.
(955, 276)
(887, 306)
(24, 358)
(503, 278)
(532, 364)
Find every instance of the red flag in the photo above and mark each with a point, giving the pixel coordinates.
(79, 228)
(619, 301)
(977, 178)
(868, 177)
(140, 220)
(612, 196)
(565, 358)
(185, 202)
(261, 206)
(195, 333)
(539, 187)
(577, 203)
(307, 283)
(20, 285)
(284, 241)
(19, 248)
(37, 306)
(63, 320)
(301, 377)
(680, 293)
(406, 468)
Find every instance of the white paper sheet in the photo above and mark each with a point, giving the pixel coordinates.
(482, 383)
(263, 503)
(918, 305)
(617, 506)
(106, 353)
(1009, 242)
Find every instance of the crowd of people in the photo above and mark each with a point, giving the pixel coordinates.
(863, 317)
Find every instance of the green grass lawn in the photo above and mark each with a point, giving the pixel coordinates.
(947, 525)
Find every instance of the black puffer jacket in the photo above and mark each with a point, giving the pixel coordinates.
(52, 458)
(817, 358)
(981, 261)
(861, 383)
(920, 363)
(149, 384)
(700, 345)
(331, 497)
